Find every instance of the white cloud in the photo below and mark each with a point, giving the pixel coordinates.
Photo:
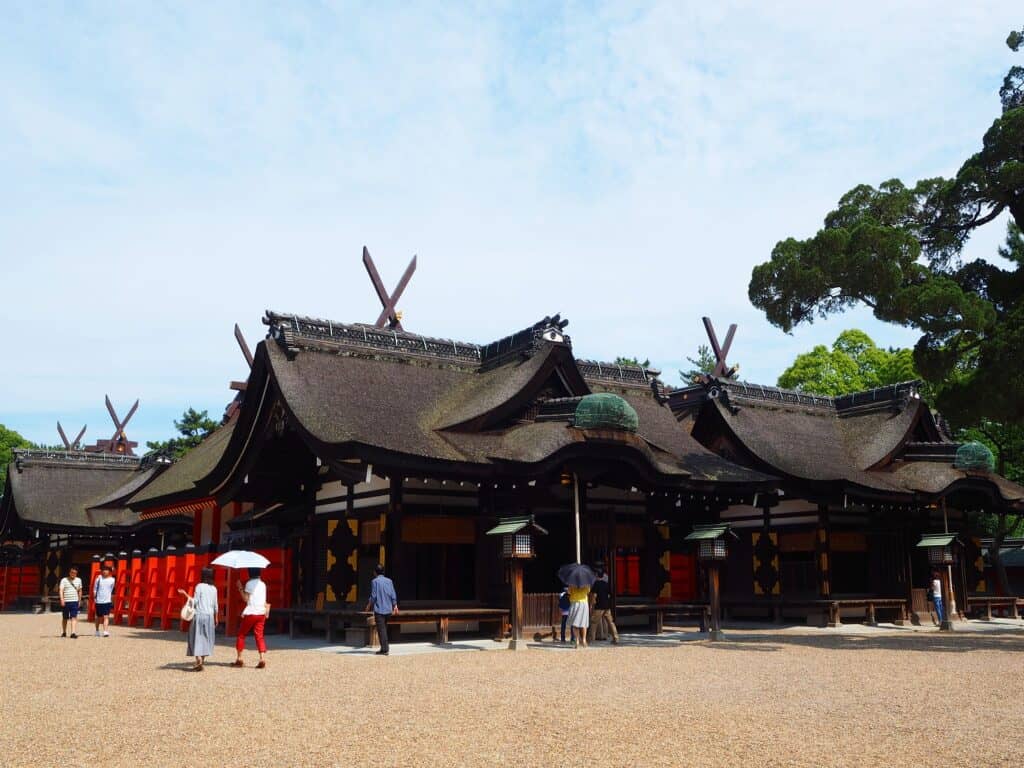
(177, 170)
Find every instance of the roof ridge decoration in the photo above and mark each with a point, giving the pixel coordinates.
(620, 373)
(549, 330)
(81, 457)
(742, 390)
(894, 396)
(890, 395)
(295, 332)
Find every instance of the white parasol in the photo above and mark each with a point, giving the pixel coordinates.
(241, 558)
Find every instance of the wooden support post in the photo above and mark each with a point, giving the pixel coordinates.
(824, 552)
(870, 615)
(517, 643)
(613, 552)
(215, 525)
(946, 625)
(716, 629)
(834, 620)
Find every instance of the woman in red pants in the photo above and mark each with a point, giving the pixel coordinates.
(254, 617)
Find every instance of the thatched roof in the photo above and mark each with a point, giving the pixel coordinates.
(352, 391)
(179, 480)
(883, 441)
(62, 490)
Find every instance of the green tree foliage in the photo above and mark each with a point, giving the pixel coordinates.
(703, 364)
(9, 440)
(854, 363)
(192, 428)
(1006, 441)
(897, 249)
(632, 361)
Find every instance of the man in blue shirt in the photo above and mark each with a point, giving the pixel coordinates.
(383, 602)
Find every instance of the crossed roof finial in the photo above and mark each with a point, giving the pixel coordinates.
(71, 445)
(119, 442)
(722, 369)
(389, 316)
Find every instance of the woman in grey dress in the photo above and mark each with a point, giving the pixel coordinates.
(201, 631)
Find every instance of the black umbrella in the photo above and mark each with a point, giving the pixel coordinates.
(577, 575)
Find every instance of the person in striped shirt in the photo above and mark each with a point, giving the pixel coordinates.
(70, 591)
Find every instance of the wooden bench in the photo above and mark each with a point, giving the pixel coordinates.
(987, 603)
(658, 611)
(364, 623)
(441, 618)
(832, 608)
(870, 604)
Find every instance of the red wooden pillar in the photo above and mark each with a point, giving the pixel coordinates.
(234, 604)
(122, 583)
(136, 588)
(222, 578)
(94, 571)
(171, 584)
(189, 573)
(154, 577)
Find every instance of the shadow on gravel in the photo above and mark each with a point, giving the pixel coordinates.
(942, 643)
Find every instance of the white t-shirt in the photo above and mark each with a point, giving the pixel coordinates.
(104, 588)
(69, 589)
(256, 589)
(936, 588)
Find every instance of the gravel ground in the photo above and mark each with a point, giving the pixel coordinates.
(762, 697)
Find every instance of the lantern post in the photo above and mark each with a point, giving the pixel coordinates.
(941, 549)
(517, 544)
(712, 551)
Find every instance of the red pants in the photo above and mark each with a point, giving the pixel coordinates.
(252, 624)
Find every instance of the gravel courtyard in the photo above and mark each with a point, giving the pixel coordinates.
(763, 697)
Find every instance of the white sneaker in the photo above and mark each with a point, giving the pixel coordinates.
(106, 634)
(97, 633)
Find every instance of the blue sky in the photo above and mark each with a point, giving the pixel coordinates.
(169, 170)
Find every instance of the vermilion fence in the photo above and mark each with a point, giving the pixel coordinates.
(146, 591)
(18, 581)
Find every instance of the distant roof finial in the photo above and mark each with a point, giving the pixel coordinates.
(70, 445)
(119, 442)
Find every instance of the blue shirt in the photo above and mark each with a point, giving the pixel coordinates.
(382, 595)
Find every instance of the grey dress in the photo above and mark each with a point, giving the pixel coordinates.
(201, 631)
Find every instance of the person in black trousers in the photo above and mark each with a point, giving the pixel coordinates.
(383, 602)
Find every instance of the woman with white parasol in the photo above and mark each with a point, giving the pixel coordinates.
(201, 606)
(254, 592)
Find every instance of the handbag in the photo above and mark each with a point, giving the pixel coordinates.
(188, 610)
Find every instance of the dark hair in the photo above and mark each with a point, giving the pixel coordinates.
(207, 575)
(106, 567)
(379, 569)
(254, 573)
(72, 568)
